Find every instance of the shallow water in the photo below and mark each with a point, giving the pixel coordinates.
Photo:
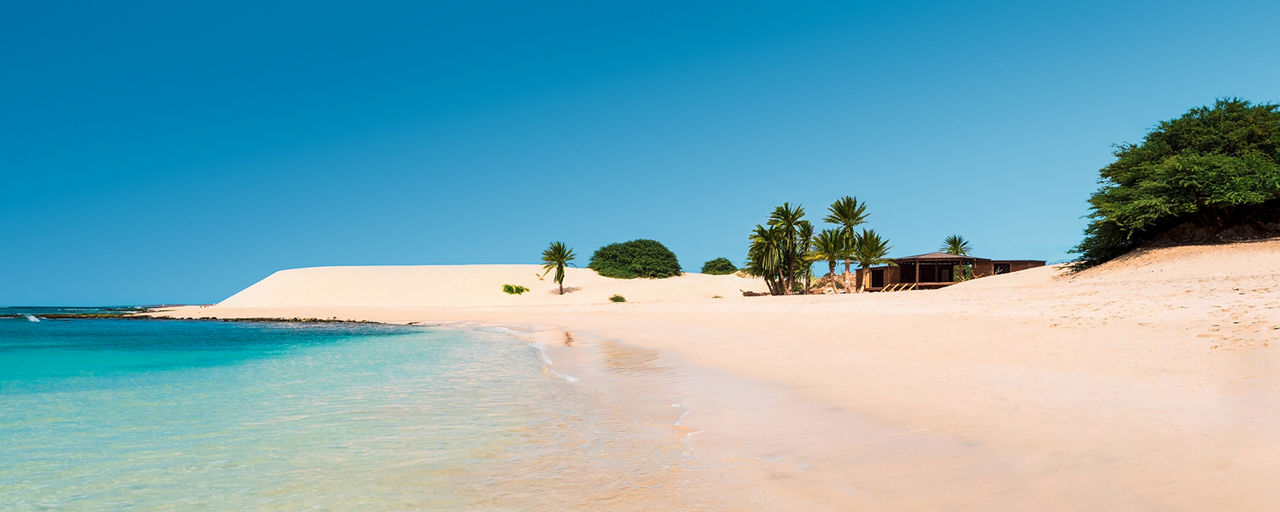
(152, 415)
(163, 415)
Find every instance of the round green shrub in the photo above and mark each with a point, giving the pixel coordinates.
(618, 298)
(637, 258)
(718, 267)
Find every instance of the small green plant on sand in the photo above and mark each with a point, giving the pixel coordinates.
(618, 298)
(514, 289)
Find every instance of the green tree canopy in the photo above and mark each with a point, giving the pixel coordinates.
(637, 258)
(1205, 176)
(719, 266)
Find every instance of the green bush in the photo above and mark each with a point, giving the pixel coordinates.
(637, 258)
(618, 298)
(514, 289)
(719, 267)
(1211, 175)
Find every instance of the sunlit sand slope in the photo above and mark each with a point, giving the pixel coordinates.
(429, 286)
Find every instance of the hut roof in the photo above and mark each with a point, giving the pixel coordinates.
(939, 256)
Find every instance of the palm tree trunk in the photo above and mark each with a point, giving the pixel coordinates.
(791, 272)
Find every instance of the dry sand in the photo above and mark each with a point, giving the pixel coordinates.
(1150, 383)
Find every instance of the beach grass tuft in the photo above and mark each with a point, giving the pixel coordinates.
(514, 289)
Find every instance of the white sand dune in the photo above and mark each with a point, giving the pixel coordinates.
(1148, 383)
(430, 286)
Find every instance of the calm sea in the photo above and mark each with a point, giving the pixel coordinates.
(176, 415)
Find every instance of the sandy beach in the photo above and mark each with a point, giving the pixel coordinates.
(1149, 383)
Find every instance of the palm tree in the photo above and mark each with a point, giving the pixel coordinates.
(804, 238)
(790, 220)
(765, 258)
(848, 213)
(555, 258)
(957, 245)
(869, 250)
(829, 246)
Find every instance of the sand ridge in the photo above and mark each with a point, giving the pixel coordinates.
(428, 286)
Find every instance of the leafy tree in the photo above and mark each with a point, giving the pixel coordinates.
(957, 245)
(829, 246)
(719, 266)
(869, 249)
(1200, 177)
(637, 258)
(556, 257)
(848, 213)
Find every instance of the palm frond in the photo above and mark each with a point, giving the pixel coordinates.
(957, 245)
(871, 249)
(846, 212)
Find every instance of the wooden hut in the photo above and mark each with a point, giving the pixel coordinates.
(936, 270)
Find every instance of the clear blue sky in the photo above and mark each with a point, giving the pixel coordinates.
(165, 152)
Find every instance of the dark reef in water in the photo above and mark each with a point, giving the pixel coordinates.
(67, 316)
(332, 320)
(135, 314)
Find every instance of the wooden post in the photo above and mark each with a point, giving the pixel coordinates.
(917, 272)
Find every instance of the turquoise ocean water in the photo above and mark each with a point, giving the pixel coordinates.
(178, 415)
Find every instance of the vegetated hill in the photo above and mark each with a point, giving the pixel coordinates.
(1211, 175)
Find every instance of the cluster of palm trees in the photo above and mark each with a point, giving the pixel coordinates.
(783, 249)
(779, 250)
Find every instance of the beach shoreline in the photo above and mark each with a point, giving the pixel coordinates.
(1148, 383)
